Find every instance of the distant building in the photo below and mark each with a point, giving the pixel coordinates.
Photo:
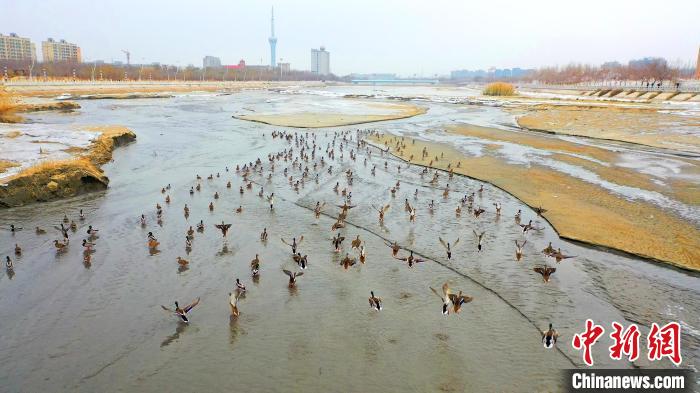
(320, 61)
(239, 66)
(284, 67)
(55, 51)
(646, 62)
(211, 62)
(14, 47)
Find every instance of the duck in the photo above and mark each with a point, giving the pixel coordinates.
(382, 211)
(411, 259)
(152, 241)
(302, 261)
(233, 302)
(517, 216)
(240, 288)
(239, 209)
(540, 211)
(18, 250)
(363, 254)
(255, 265)
(88, 245)
(182, 312)
(445, 298)
(190, 232)
(545, 271)
(40, 231)
(457, 300)
(14, 229)
(211, 206)
(216, 195)
(294, 243)
(337, 241)
(477, 212)
(479, 238)
(167, 199)
(559, 256)
(223, 227)
(519, 250)
(394, 248)
(228, 184)
(356, 243)
(186, 209)
(59, 246)
(65, 219)
(498, 208)
(182, 262)
(447, 246)
(263, 235)
(549, 337)
(318, 209)
(375, 302)
(200, 226)
(8, 263)
(143, 220)
(292, 277)
(347, 261)
(549, 250)
(458, 211)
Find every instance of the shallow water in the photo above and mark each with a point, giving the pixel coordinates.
(67, 326)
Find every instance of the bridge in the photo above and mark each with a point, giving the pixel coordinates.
(395, 81)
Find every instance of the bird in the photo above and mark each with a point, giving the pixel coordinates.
(498, 208)
(88, 245)
(382, 211)
(40, 231)
(519, 250)
(239, 286)
(479, 238)
(539, 210)
(182, 262)
(292, 277)
(239, 209)
(233, 302)
(545, 271)
(549, 337)
(447, 246)
(59, 246)
(302, 261)
(375, 302)
(223, 227)
(559, 256)
(410, 259)
(394, 248)
(356, 243)
(294, 243)
(363, 254)
(263, 235)
(337, 242)
(152, 241)
(444, 297)
(318, 209)
(347, 261)
(549, 250)
(477, 212)
(18, 250)
(182, 312)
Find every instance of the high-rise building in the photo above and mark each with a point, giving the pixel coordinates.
(697, 66)
(211, 62)
(55, 51)
(320, 61)
(273, 41)
(14, 47)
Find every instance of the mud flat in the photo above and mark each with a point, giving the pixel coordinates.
(650, 127)
(43, 179)
(578, 210)
(320, 119)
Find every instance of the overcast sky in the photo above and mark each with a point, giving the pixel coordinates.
(400, 36)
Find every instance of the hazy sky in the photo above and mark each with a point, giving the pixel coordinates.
(406, 37)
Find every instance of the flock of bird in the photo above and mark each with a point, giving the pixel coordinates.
(309, 161)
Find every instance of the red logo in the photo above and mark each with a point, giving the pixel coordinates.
(625, 343)
(665, 342)
(586, 340)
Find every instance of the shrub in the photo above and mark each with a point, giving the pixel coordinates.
(499, 89)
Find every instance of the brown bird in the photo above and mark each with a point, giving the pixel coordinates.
(292, 277)
(223, 227)
(356, 243)
(182, 262)
(382, 211)
(519, 250)
(347, 261)
(545, 271)
(394, 248)
(410, 259)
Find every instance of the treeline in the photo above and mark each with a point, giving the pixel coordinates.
(648, 70)
(116, 72)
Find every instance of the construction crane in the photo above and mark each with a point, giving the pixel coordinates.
(128, 56)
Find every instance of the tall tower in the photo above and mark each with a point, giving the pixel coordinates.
(273, 41)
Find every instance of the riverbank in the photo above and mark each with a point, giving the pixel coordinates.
(44, 179)
(335, 119)
(578, 210)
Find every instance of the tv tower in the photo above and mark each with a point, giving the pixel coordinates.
(273, 41)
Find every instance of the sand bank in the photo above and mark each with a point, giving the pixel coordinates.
(319, 120)
(54, 179)
(648, 127)
(578, 210)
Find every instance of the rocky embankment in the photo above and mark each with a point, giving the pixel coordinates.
(51, 180)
